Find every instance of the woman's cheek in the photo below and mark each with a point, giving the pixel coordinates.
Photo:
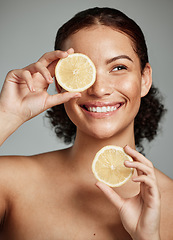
(72, 110)
(131, 88)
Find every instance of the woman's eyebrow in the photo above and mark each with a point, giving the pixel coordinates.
(118, 57)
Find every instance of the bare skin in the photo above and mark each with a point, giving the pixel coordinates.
(41, 202)
(55, 195)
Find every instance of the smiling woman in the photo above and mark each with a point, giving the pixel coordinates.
(121, 89)
(151, 108)
(53, 195)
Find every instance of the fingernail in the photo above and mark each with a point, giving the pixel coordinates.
(134, 179)
(51, 80)
(128, 162)
(77, 95)
(66, 53)
(125, 146)
(32, 89)
(97, 184)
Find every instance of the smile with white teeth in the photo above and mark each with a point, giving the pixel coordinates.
(102, 109)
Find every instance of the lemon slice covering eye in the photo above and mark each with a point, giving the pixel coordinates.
(75, 73)
(108, 166)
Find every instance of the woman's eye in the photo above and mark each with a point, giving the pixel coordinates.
(118, 68)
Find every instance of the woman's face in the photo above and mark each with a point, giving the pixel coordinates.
(109, 106)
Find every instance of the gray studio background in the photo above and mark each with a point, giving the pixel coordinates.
(28, 29)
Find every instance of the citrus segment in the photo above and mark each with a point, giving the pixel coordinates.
(75, 73)
(108, 166)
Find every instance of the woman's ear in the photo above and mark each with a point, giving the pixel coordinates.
(146, 80)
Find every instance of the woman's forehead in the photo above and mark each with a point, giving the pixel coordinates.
(100, 40)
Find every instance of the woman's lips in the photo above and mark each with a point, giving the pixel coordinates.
(101, 110)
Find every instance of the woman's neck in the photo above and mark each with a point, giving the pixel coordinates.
(89, 144)
(85, 146)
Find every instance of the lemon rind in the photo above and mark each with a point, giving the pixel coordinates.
(96, 158)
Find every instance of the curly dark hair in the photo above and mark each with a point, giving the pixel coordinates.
(151, 109)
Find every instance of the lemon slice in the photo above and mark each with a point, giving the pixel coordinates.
(108, 166)
(75, 73)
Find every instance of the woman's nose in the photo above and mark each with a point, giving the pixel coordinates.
(101, 87)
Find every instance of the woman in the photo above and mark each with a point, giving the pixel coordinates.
(53, 195)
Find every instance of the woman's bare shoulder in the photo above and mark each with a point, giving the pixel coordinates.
(166, 190)
(18, 165)
(53, 157)
(165, 183)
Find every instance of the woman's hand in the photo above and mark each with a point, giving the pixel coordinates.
(140, 215)
(24, 93)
